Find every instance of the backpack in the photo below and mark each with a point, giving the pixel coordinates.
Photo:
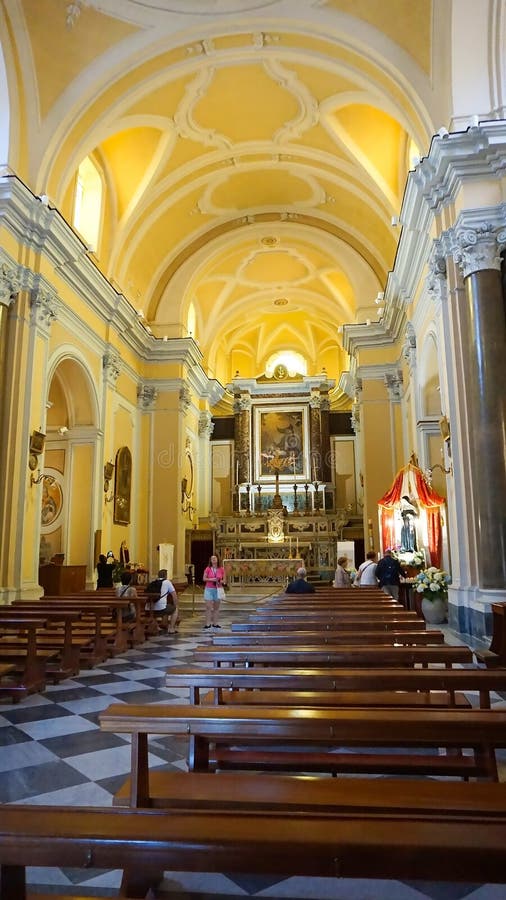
(154, 587)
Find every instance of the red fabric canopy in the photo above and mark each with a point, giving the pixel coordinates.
(410, 482)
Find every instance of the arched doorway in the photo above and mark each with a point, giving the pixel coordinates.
(68, 504)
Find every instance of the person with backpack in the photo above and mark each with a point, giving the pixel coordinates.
(388, 573)
(163, 601)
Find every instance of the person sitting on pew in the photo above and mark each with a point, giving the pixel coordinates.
(126, 591)
(299, 585)
(164, 603)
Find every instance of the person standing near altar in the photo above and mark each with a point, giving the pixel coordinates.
(341, 577)
(366, 575)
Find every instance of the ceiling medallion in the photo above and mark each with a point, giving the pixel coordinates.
(269, 240)
(281, 301)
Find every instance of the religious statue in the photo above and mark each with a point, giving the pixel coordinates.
(409, 513)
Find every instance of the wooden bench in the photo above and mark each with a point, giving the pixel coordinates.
(356, 656)
(59, 633)
(100, 621)
(344, 686)
(288, 638)
(496, 654)
(24, 653)
(333, 614)
(357, 687)
(404, 835)
(310, 624)
(302, 739)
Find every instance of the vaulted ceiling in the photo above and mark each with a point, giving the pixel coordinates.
(254, 155)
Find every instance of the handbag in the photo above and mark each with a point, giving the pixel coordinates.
(221, 593)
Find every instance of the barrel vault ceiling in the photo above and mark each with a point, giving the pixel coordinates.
(253, 154)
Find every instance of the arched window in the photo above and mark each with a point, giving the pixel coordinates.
(293, 362)
(191, 321)
(88, 202)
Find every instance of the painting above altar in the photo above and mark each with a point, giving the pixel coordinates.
(281, 443)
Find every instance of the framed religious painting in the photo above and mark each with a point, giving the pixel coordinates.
(281, 443)
(122, 486)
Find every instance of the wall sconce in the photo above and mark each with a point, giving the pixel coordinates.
(442, 468)
(37, 441)
(120, 501)
(108, 473)
(41, 477)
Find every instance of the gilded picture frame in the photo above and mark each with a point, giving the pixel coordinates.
(281, 443)
(122, 486)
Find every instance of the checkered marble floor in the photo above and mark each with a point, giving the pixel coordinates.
(53, 752)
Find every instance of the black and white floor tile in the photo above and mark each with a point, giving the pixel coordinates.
(53, 752)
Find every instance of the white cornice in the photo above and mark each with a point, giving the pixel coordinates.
(41, 228)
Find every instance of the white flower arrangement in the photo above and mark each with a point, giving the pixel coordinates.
(432, 583)
(414, 558)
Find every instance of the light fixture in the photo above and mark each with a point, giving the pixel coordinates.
(37, 442)
(41, 477)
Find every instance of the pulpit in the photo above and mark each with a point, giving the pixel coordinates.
(58, 580)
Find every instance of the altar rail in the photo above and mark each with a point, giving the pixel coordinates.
(260, 571)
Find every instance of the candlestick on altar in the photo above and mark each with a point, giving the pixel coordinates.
(316, 497)
(295, 501)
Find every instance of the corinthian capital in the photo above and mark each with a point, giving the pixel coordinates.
(146, 395)
(477, 249)
(44, 307)
(185, 399)
(436, 279)
(206, 424)
(393, 381)
(111, 365)
(9, 284)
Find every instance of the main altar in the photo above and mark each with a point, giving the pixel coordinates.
(283, 484)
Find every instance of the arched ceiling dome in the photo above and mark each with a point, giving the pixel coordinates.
(247, 155)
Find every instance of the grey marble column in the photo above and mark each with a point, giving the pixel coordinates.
(484, 357)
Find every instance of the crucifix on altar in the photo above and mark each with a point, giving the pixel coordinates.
(278, 463)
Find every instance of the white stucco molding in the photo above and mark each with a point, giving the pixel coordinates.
(10, 283)
(44, 305)
(476, 241)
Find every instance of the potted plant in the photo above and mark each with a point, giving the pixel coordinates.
(432, 583)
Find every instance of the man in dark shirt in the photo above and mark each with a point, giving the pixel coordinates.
(299, 585)
(388, 573)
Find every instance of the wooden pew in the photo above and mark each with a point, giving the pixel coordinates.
(344, 686)
(392, 838)
(330, 615)
(356, 656)
(59, 633)
(25, 655)
(302, 739)
(320, 638)
(321, 625)
(99, 620)
(496, 654)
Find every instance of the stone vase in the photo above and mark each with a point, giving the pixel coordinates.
(434, 610)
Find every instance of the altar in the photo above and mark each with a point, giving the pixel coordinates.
(260, 571)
